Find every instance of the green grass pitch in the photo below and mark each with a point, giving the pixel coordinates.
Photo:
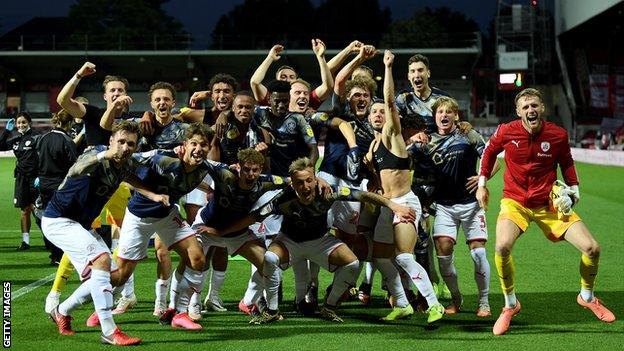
(547, 284)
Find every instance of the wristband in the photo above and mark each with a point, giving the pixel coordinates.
(74, 80)
(100, 155)
(482, 180)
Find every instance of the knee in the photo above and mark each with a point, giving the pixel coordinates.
(197, 262)
(593, 250)
(503, 249)
(444, 246)
(271, 261)
(103, 262)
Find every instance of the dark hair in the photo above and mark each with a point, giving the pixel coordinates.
(25, 115)
(419, 58)
(198, 128)
(62, 119)
(161, 85)
(250, 155)
(283, 67)
(109, 79)
(278, 86)
(363, 83)
(128, 127)
(245, 93)
(223, 78)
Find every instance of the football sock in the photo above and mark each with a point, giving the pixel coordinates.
(369, 273)
(195, 281)
(173, 291)
(63, 272)
(26, 238)
(271, 278)
(588, 269)
(391, 278)
(216, 282)
(343, 278)
(418, 276)
(301, 272)
(449, 275)
(481, 273)
(255, 287)
(79, 297)
(506, 273)
(128, 288)
(102, 294)
(314, 273)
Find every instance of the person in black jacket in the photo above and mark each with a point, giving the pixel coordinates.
(23, 145)
(57, 153)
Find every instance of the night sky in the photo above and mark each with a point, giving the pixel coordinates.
(199, 17)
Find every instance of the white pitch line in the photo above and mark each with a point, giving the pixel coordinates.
(32, 286)
(17, 231)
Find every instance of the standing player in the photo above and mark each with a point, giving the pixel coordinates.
(389, 156)
(25, 173)
(454, 155)
(533, 150)
(80, 198)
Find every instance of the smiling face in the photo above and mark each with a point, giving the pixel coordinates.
(530, 109)
(196, 150)
(222, 95)
(162, 102)
(279, 103)
(113, 90)
(377, 116)
(418, 75)
(249, 173)
(22, 124)
(243, 108)
(124, 143)
(286, 74)
(445, 117)
(359, 100)
(304, 182)
(299, 97)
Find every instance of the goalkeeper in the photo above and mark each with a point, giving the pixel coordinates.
(533, 149)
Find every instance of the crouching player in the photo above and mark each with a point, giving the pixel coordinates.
(90, 182)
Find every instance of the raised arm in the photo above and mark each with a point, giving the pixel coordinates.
(327, 80)
(113, 111)
(64, 98)
(366, 52)
(393, 124)
(258, 89)
(340, 58)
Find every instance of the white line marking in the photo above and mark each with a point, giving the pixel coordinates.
(32, 286)
(17, 231)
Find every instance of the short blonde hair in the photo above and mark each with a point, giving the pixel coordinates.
(300, 164)
(445, 101)
(301, 81)
(528, 92)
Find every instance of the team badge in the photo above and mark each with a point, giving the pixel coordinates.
(278, 180)
(345, 191)
(28, 142)
(310, 132)
(324, 116)
(545, 146)
(232, 133)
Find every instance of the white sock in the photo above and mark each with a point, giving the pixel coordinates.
(369, 273)
(26, 238)
(173, 289)
(587, 295)
(418, 276)
(510, 299)
(301, 272)
(254, 287)
(449, 275)
(195, 299)
(192, 282)
(128, 288)
(343, 278)
(216, 282)
(102, 294)
(79, 297)
(314, 273)
(271, 279)
(114, 244)
(390, 276)
(482, 273)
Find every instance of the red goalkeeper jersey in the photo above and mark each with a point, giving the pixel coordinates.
(531, 161)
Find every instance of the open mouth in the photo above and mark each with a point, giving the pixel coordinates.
(222, 104)
(532, 119)
(197, 156)
(302, 103)
(417, 83)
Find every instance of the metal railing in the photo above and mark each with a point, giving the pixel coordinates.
(83, 42)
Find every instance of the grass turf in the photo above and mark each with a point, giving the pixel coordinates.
(547, 283)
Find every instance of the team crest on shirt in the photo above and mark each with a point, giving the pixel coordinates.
(545, 146)
(232, 133)
(28, 142)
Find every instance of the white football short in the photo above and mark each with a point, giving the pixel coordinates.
(470, 217)
(384, 230)
(344, 215)
(81, 246)
(135, 233)
(317, 250)
(198, 197)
